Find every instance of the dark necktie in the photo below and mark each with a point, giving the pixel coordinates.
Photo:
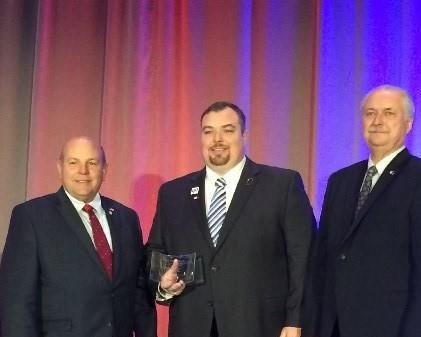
(366, 188)
(217, 210)
(101, 244)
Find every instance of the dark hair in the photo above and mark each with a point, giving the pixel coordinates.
(221, 105)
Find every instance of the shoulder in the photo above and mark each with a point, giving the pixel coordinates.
(38, 204)
(113, 205)
(345, 172)
(415, 161)
(180, 183)
(272, 173)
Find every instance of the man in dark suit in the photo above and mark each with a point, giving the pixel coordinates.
(251, 227)
(73, 263)
(368, 281)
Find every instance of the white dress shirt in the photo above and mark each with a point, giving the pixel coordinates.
(382, 164)
(231, 178)
(99, 212)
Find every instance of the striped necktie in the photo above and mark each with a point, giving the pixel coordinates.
(217, 210)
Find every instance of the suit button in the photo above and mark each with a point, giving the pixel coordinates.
(214, 268)
(342, 257)
(109, 324)
(210, 303)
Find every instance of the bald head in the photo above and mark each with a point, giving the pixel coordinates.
(82, 168)
(83, 140)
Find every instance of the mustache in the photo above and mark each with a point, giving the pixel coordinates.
(218, 145)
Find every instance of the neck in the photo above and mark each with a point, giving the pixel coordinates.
(378, 154)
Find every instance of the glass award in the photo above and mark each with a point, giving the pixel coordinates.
(160, 263)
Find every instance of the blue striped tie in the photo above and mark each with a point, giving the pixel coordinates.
(217, 210)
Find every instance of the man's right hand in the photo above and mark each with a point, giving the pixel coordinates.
(170, 283)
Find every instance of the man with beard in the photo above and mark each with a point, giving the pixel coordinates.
(251, 227)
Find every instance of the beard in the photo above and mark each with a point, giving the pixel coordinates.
(219, 159)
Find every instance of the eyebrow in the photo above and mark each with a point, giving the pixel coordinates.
(78, 159)
(230, 125)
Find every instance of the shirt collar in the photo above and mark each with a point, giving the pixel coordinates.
(382, 164)
(95, 203)
(232, 174)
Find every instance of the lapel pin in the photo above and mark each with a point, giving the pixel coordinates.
(249, 181)
(194, 192)
(392, 173)
(110, 211)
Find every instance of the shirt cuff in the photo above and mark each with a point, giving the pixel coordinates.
(161, 295)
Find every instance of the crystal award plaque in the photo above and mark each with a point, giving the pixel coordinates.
(160, 263)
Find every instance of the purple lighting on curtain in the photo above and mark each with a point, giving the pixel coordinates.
(362, 45)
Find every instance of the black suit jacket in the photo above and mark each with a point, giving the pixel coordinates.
(368, 267)
(252, 282)
(52, 282)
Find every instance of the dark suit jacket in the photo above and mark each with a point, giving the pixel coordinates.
(369, 266)
(52, 282)
(253, 280)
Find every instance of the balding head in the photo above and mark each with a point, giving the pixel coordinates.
(82, 167)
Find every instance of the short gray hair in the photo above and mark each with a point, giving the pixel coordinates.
(407, 102)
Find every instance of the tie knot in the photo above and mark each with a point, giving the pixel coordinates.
(372, 170)
(220, 182)
(88, 208)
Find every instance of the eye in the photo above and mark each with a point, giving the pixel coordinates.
(207, 132)
(93, 163)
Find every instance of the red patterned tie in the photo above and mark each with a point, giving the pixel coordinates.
(101, 244)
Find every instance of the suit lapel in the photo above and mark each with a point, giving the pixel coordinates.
(73, 220)
(196, 195)
(389, 174)
(114, 222)
(352, 190)
(246, 184)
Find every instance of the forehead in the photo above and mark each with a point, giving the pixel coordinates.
(218, 118)
(81, 149)
(383, 99)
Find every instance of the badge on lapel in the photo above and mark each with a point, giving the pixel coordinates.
(392, 173)
(249, 181)
(194, 192)
(110, 211)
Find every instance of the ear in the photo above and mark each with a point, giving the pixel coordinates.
(245, 136)
(59, 165)
(409, 124)
(104, 171)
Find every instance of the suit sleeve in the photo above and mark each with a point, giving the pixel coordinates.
(298, 231)
(145, 306)
(156, 243)
(19, 280)
(317, 271)
(411, 324)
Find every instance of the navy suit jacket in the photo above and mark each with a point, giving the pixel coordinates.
(252, 281)
(368, 266)
(52, 282)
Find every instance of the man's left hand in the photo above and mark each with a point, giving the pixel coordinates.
(290, 331)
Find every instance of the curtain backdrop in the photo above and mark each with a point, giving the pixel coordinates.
(137, 74)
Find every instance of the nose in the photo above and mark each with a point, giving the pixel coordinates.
(83, 169)
(217, 137)
(378, 119)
